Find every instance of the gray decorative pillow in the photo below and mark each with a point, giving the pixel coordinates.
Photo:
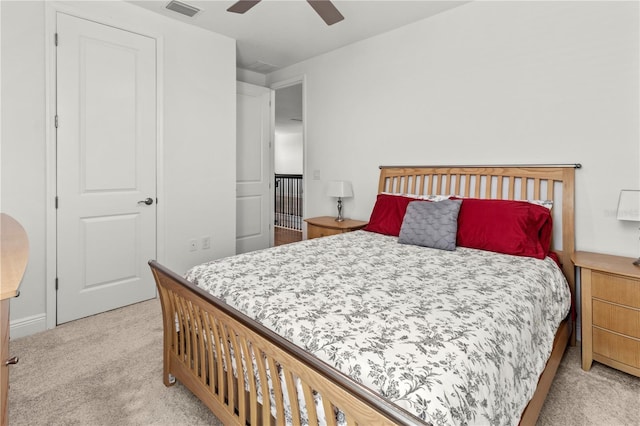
(430, 224)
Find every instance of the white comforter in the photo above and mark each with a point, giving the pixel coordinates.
(454, 337)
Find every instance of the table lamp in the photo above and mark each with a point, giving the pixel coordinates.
(341, 189)
(629, 208)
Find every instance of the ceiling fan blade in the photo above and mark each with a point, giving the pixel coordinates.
(242, 6)
(327, 11)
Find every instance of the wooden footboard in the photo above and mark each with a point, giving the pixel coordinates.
(228, 361)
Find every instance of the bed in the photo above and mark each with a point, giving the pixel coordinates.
(220, 337)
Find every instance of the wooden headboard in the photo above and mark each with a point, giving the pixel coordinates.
(526, 182)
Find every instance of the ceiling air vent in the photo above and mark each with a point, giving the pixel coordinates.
(261, 67)
(183, 8)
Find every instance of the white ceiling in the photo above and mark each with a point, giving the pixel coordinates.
(280, 33)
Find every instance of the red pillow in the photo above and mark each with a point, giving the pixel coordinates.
(505, 226)
(388, 213)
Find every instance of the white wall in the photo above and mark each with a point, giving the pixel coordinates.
(288, 152)
(252, 77)
(198, 136)
(23, 192)
(485, 83)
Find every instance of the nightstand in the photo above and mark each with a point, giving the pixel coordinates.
(324, 226)
(610, 287)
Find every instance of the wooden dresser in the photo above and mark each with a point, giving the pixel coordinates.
(14, 248)
(610, 298)
(324, 226)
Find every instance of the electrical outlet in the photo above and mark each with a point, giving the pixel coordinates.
(193, 245)
(206, 243)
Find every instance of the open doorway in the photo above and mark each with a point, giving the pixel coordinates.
(288, 164)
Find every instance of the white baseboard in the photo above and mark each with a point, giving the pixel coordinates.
(29, 325)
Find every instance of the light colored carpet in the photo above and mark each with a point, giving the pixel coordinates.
(107, 370)
(101, 370)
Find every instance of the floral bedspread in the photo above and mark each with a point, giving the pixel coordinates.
(455, 337)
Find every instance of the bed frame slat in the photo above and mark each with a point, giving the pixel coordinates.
(550, 188)
(186, 344)
(500, 194)
(215, 368)
(488, 186)
(309, 404)
(292, 390)
(329, 414)
(239, 377)
(264, 384)
(247, 365)
(277, 390)
(476, 189)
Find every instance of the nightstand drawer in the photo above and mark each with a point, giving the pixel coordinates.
(613, 346)
(318, 231)
(616, 318)
(615, 288)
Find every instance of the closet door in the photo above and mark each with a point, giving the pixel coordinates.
(106, 167)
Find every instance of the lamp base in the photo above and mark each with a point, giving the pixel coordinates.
(339, 218)
(637, 262)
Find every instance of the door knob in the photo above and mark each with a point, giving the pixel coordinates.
(147, 201)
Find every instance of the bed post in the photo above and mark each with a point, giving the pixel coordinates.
(568, 237)
(167, 314)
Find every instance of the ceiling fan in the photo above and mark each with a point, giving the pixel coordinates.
(327, 11)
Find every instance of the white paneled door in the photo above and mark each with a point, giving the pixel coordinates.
(253, 168)
(106, 167)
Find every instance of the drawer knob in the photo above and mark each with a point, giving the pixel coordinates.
(12, 360)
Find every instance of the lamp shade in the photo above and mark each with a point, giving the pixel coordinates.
(629, 205)
(339, 188)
